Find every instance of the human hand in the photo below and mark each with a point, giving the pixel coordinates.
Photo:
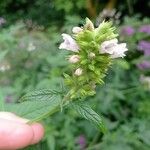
(15, 133)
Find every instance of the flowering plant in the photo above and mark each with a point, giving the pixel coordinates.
(92, 53)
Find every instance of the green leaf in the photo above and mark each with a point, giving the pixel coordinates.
(44, 94)
(38, 105)
(88, 113)
(2, 55)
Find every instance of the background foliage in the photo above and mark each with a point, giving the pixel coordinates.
(30, 59)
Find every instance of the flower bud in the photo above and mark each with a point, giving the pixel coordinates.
(89, 25)
(78, 72)
(76, 30)
(91, 55)
(74, 59)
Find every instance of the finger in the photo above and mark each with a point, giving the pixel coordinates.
(14, 135)
(12, 117)
(38, 132)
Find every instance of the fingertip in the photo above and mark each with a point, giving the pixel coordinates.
(14, 135)
(23, 136)
(38, 132)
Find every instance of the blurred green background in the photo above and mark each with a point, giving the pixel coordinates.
(30, 33)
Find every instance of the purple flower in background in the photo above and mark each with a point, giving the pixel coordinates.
(8, 99)
(145, 29)
(127, 30)
(144, 65)
(2, 21)
(144, 46)
(81, 141)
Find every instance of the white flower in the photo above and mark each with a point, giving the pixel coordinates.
(107, 46)
(69, 43)
(113, 48)
(78, 72)
(74, 59)
(31, 47)
(4, 67)
(76, 30)
(119, 50)
(145, 80)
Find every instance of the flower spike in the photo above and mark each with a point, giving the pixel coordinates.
(96, 48)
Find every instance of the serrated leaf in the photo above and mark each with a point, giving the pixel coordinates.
(39, 95)
(39, 105)
(88, 113)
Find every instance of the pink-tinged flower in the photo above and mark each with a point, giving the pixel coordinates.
(127, 30)
(76, 30)
(107, 46)
(145, 29)
(74, 59)
(78, 72)
(81, 141)
(113, 48)
(69, 43)
(144, 46)
(144, 65)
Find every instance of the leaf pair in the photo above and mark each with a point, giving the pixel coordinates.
(40, 104)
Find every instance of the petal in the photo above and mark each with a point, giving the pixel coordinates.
(69, 43)
(76, 30)
(119, 50)
(67, 38)
(108, 46)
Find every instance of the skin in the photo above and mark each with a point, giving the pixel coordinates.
(15, 133)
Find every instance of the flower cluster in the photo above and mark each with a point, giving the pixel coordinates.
(144, 46)
(144, 65)
(127, 30)
(93, 51)
(145, 29)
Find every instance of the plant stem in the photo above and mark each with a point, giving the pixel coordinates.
(94, 147)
